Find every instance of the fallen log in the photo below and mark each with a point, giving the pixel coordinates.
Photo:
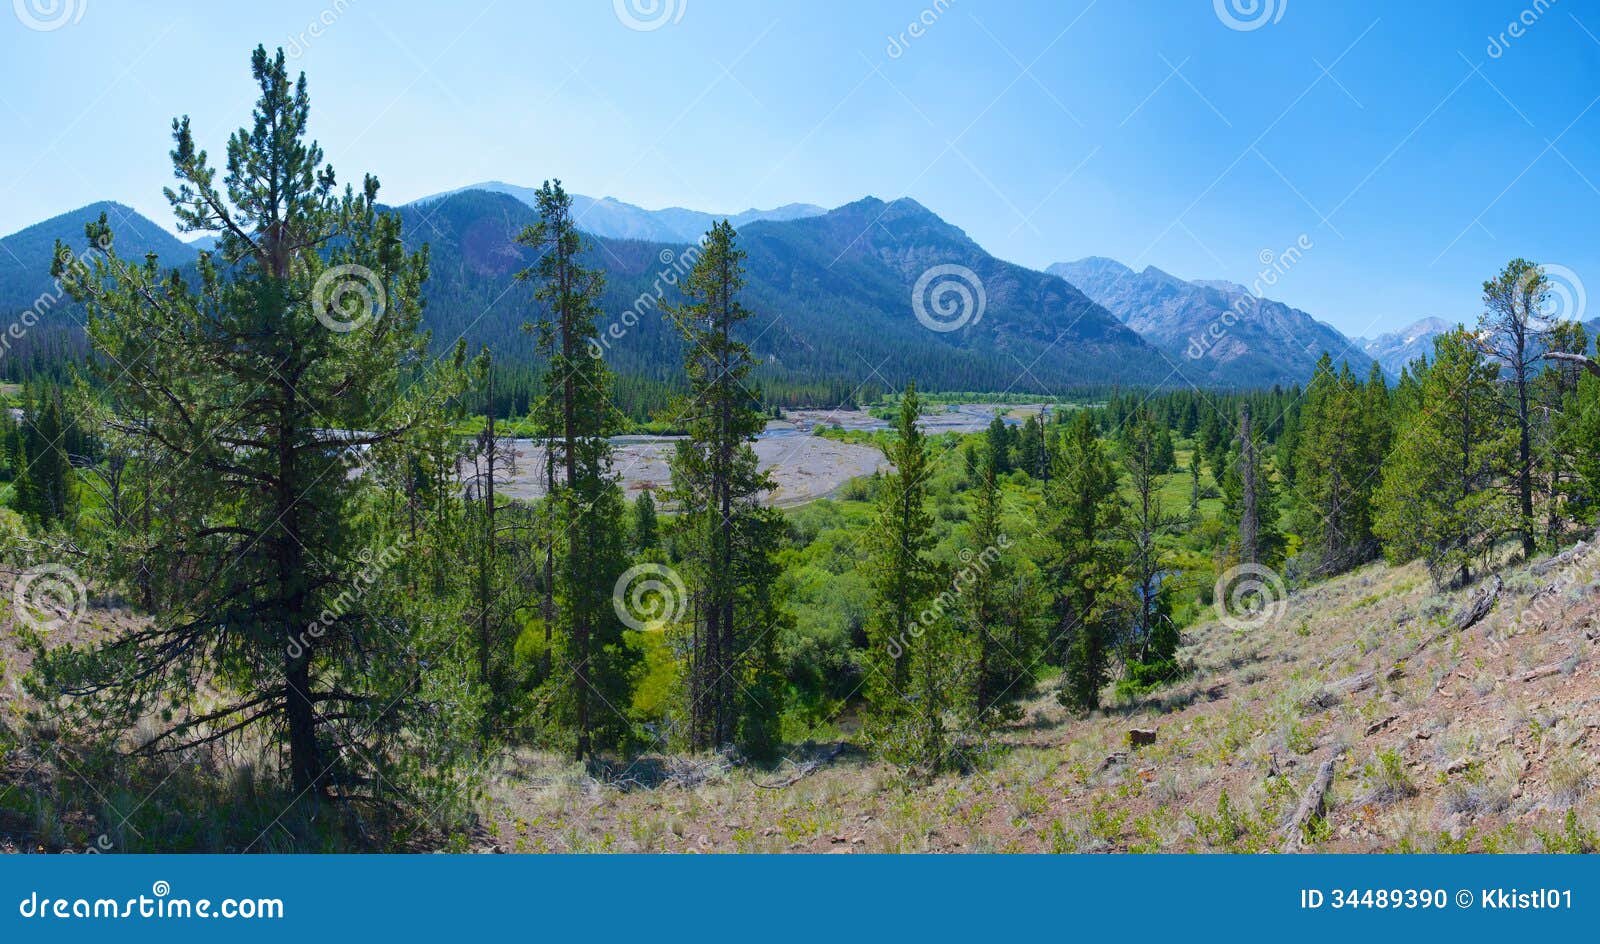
(1313, 805)
(1465, 618)
(1561, 560)
(1377, 726)
(1543, 671)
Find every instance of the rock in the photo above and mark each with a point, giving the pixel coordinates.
(1141, 737)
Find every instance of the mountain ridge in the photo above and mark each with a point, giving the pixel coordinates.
(1212, 330)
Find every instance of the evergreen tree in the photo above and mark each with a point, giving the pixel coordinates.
(993, 612)
(727, 536)
(268, 570)
(1441, 496)
(1084, 511)
(1000, 441)
(1511, 333)
(576, 416)
(1343, 436)
(1030, 448)
(913, 659)
(1194, 486)
(1557, 410)
(646, 533)
(1250, 502)
(1151, 646)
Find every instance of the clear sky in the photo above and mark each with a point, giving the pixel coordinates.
(1417, 146)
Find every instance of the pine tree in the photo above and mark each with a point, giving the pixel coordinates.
(1441, 496)
(1084, 510)
(727, 536)
(646, 532)
(1343, 438)
(1250, 503)
(1194, 486)
(999, 443)
(1510, 333)
(913, 676)
(576, 416)
(993, 618)
(267, 568)
(1030, 448)
(1555, 395)
(1151, 646)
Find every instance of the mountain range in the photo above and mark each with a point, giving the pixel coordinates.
(1398, 348)
(1230, 333)
(612, 218)
(833, 292)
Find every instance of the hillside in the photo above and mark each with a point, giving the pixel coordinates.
(1479, 740)
(53, 330)
(1213, 331)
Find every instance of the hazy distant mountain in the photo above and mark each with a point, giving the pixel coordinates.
(610, 217)
(832, 296)
(1212, 331)
(1398, 348)
(53, 329)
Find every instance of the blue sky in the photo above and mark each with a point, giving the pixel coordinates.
(1415, 146)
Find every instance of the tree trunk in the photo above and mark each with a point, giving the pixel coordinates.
(1249, 523)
